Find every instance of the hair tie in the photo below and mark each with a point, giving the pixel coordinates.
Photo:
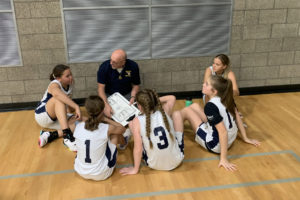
(53, 76)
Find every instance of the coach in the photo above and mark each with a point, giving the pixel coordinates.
(118, 74)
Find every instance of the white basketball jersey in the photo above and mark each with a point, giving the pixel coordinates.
(165, 153)
(228, 120)
(41, 106)
(93, 153)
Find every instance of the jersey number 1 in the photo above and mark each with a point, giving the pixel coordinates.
(87, 151)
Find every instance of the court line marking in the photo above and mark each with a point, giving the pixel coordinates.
(197, 189)
(184, 161)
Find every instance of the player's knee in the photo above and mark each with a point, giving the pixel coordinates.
(172, 98)
(176, 114)
(184, 112)
(195, 106)
(115, 139)
(56, 101)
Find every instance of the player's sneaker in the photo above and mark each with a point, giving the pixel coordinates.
(70, 145)
(67, 134)
(127, 136)
(43, 139)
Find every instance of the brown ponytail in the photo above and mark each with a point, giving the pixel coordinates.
(58, 71)
(94, 106)
(225, 92)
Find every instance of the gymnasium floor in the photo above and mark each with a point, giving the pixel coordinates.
(271, 171)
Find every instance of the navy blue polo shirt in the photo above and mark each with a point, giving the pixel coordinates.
(119, 82)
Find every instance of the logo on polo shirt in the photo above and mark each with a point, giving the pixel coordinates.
(128, 73)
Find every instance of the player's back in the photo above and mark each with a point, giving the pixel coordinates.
(165, 153)
(228, 119)
(91, 148)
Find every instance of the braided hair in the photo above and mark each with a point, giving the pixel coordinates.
(94, 106)
(149, 101)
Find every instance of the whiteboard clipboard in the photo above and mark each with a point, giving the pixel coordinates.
(123, 112)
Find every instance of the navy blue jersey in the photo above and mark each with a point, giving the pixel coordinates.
(207, 134)
(119, 82)
(212, 113)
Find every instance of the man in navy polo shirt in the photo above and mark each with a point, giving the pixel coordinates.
(118, 74)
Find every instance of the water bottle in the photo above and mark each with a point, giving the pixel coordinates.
(188, 101)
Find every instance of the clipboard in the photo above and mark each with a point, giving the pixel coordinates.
(123, 112)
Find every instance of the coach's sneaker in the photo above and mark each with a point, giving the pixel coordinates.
(127, 136)
(70, 145)
(43, 139)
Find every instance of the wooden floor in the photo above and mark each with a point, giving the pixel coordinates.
(271, 171)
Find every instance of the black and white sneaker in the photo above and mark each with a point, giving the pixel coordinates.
(43, 139)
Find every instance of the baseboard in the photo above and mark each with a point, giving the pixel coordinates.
(243, 91)
(179, 95)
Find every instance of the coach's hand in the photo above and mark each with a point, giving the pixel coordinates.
(132, 99)
(108, 110)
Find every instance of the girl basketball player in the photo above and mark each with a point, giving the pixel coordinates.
(215, 128)
(51, 112)
(221, 67)
(157, 139)
(96, 141)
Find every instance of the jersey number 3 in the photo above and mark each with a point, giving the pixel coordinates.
(161, 133)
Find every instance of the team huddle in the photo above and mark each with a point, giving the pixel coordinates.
(157, 132)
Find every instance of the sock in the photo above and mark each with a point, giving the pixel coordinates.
(53, 136)
(67, 134)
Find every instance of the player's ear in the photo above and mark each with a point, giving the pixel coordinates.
(214, 91)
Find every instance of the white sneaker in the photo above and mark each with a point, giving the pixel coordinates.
(70, 145)
(127, 136)
(43, 139)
